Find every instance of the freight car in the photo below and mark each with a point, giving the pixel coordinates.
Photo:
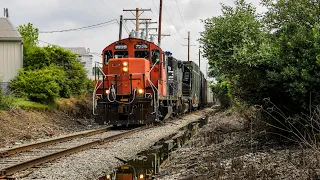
(140, 84)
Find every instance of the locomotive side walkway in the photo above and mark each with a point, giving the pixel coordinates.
(93, 163)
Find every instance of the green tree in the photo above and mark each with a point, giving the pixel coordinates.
(294, 28)
(75, 73)
(235, 43)
(37, 58)
(30, 36)
(275, 56)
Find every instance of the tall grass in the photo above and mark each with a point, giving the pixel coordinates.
(301, 128)
(6, 98)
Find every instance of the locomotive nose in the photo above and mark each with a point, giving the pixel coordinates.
(129, 74)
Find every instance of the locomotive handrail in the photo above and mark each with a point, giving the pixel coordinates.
(156, 101)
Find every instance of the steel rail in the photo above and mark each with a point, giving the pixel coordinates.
(9, 171)
(8, 152)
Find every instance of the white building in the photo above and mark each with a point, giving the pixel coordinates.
(11, 51)
(85, 58)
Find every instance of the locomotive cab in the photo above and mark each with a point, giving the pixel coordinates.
(130, 87)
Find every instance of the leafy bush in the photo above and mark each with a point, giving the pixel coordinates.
(75, 75)
(36, 58)
(222, 92)
(66, 70)
(42, 85)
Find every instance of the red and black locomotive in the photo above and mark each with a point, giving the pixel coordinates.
(139, 83)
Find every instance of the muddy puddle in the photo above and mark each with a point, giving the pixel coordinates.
(147, 164)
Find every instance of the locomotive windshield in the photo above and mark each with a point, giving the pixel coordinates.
(155, 55)
(107, 55)
(141, 54)
(121, 54)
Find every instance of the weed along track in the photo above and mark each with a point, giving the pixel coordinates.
(24, 157)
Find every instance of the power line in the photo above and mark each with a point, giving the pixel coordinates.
(47, 42)
(126, 28)
(83, 28)
(137, 3)
(181, 16)
(172, 22)
(166, 25)
(109, 8)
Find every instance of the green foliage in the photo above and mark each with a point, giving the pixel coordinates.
(222, 92)
(234, 44)
(49, 72)
(42, 85)
(5, 100)
(30, 36)
(295, 30)
(275, 56)
(76, 78)
(54, 60)
(26, 104)
(36, 58)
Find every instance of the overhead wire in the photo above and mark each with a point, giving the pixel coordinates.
(47, 42)
(126, 28)
(166, 24)
(181, 16)
(83, 28)
(109, 8)
(177, 5)
(137, 3)
(172, 22)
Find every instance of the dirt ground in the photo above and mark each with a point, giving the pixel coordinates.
(19, 126)
(226, 149)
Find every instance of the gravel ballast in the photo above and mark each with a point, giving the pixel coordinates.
(94, 163)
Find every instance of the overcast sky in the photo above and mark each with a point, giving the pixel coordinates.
(50, 15)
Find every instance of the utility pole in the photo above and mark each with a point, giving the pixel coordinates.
(120, 28)
(147, 28)
(160, 21)
(137, 15)
(188, 45)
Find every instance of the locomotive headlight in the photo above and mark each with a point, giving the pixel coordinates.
(108, 177)
(107, 91)
(140, 91)
(141, 176)
(125, 63)
(125, 69)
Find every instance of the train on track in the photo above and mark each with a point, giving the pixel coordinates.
(140, 83)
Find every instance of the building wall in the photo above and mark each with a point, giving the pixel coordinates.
(11, 55)
(86, 61)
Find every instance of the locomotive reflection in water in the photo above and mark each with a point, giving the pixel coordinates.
(147, 164)
(139, 83)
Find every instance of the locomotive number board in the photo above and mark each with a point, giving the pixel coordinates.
(141, 46)
(120, 47)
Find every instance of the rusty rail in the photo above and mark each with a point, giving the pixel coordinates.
(9, 171)
(16, 150)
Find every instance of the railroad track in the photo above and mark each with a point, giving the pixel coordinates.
(21, 158)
